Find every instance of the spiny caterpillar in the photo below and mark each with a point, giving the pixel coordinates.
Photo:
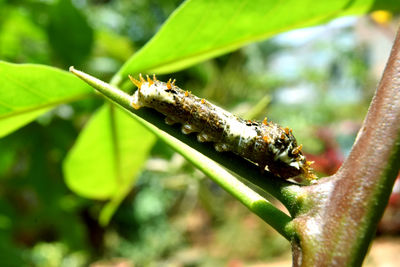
(265, 143)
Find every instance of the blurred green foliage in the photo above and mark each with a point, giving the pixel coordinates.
(173, 215)
(65, 20)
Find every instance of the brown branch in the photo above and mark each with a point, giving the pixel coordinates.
(346, 207)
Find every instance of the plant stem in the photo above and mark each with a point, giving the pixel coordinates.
(346, 207)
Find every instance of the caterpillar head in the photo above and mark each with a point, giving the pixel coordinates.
(150, 90)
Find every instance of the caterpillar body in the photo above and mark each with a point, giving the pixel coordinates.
(265, 143)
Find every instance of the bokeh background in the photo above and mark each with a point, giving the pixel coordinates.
(319, 81)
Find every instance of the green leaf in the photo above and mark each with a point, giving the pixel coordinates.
(108, 155)
(199, 30)
(29, 90)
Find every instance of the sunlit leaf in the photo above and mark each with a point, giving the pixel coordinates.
(29, 90)
(108, 155)
(199, 30)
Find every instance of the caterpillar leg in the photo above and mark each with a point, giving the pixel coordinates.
(221, 147)
(262, 167)
(203, 137)
(169, 121)
(187, 129)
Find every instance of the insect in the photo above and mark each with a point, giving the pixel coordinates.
(263, 142)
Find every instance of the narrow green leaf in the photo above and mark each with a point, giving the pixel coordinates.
(29, 90)
(251, 199)
(108, 155)
(199, 30)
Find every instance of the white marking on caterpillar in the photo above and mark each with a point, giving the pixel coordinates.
(265, 143)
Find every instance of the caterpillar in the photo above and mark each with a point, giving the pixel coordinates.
(263, 142)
